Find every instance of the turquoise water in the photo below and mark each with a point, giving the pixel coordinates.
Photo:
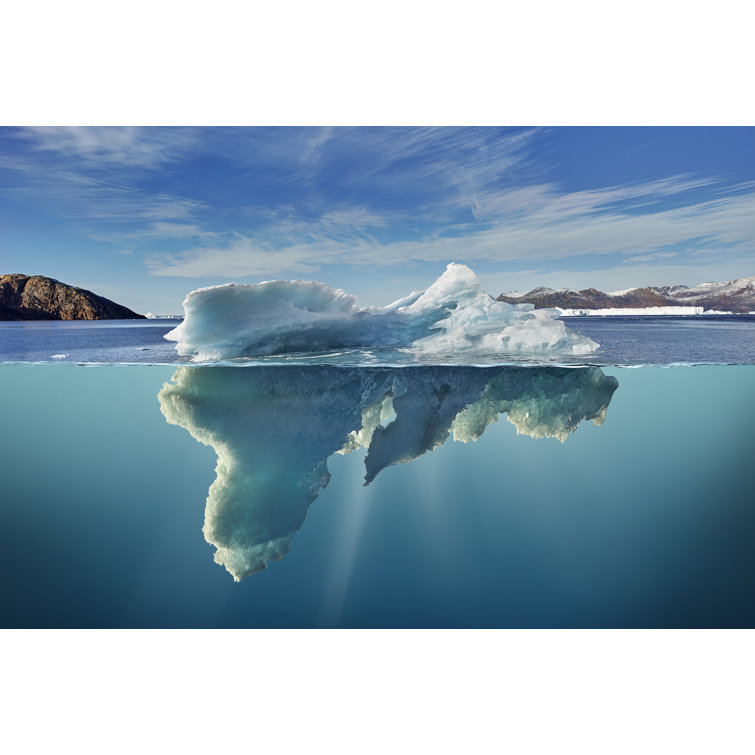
(646, 520)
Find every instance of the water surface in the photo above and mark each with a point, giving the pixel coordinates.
(623, 341)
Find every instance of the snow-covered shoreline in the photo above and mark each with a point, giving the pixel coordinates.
(646, 311)
(735, 297)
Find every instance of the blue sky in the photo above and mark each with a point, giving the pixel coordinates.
(144, 215)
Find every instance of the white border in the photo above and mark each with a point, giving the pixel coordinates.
(378, 691)
(411, 62)
(234, 63)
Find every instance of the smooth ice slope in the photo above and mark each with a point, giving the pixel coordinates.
(452, 318)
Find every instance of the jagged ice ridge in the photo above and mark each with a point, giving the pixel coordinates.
(453, 317)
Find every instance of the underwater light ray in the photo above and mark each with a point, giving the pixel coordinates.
(345, 546)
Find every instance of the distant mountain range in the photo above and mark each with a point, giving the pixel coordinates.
(737, 296)
(35, 297)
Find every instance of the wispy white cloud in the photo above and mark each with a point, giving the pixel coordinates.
(165, 229)
(638, 259)
(240, 258)
(89, 197)
(546, 203)
(434, 168)
(354, 217)
(315, 144)
(441, 167)
(161, 230)
(546, 225)
(98, 175)
(112, 146)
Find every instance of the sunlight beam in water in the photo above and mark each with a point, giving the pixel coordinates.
(346, 542)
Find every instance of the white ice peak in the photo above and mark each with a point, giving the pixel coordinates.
(454, 317)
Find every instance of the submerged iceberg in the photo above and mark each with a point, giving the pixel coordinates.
(274, 428)
(453, 318)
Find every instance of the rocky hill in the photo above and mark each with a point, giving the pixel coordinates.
(736, 296)
(35, 297)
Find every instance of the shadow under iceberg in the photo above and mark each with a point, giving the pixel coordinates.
(273, 429)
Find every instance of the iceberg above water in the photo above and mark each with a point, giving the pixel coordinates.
(274, 428)
(453, 318)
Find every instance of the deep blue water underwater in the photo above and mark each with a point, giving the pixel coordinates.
(645, 520)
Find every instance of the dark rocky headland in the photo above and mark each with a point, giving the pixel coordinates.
(35, 297)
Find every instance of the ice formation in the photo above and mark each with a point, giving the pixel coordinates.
(454, 317)
(273, 429)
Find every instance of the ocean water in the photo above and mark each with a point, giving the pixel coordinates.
(716, 339)
(497, 496)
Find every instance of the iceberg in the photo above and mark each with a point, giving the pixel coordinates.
(153, 316)
(454, 318)
(273, 429)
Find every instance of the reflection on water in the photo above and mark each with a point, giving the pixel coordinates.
(273, 429)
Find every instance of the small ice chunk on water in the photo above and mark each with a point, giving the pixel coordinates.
(59, 356)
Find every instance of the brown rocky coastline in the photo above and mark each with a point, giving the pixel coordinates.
(36, 297)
